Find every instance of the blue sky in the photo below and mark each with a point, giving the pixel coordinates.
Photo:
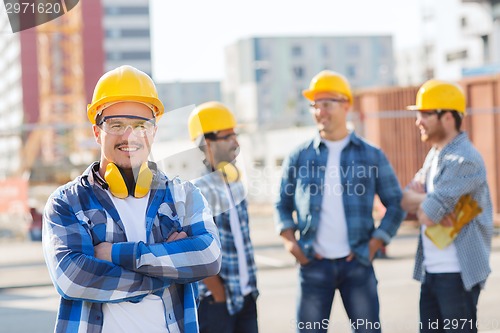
(188, 37)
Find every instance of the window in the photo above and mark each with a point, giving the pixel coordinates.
(132, 10)
(353, 50)
(261, 50)
(351, 71)
(298, 71)
(132, 55)
(486, 48)
(135, 33)
(113, 33)
(463, 22)
(428, 49)
(260, 74)
(452, 56)
(116, 33)
(296, 51)
(324, 50)
(429, 73)
(259, 163)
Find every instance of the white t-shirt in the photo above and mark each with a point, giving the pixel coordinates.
(234, 221)
(332, 239)
(148, 315)
(435, 259)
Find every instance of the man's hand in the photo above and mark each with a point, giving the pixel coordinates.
(374, 245)
(215, 285)
(103, 251)
(176, 236)
(423, 218)
(293, 247)
(448, 220)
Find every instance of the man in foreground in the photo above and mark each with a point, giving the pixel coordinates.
(122, 242)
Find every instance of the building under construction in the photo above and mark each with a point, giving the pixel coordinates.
(48, 74)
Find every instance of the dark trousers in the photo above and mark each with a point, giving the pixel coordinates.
(357, 285)
(214, 317)
(445, 305)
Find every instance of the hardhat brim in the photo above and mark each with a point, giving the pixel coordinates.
(311, 94)
(92, 109)
(416, 108)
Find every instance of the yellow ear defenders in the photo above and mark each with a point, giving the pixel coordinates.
(229, 171)
(121, 188)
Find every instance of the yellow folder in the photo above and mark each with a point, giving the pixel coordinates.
(465, 210)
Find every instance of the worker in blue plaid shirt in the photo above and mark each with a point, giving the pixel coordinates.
(452, 277)
(124, 244)
(326, 200)
(228, 299)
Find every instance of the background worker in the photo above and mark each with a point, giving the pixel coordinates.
(228, 300)
(451, 277)
(330, 182)
(122, 242)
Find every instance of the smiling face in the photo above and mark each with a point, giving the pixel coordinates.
(128, 150)
(330, 114)
(430, 126)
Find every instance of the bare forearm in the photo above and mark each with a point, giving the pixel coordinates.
(411, 201)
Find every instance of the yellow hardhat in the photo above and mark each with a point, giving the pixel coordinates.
(210, 117)
(328, 81)
(122, 84)
(439, 95)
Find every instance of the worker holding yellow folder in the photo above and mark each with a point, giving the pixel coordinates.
(451, 199)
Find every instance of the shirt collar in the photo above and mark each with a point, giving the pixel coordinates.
(353, 138)
(457, 140)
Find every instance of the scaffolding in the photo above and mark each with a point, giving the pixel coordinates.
(55, 142)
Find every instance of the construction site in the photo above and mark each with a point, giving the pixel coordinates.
(51, 63)
(49, 141)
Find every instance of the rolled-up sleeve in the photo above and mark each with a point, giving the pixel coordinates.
(459, 177)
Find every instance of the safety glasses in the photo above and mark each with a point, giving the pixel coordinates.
(118, 125)
(326, 104)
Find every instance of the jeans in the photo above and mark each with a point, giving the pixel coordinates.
(357, 285)
(214, 317)
(445, 306)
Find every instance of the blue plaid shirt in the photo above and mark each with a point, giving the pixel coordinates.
(80, 215)
(213, 187)
(364, 172)
(460, 171)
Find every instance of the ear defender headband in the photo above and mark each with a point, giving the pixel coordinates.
(121, 188)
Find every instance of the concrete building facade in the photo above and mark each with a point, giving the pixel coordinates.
(127, 36)
(179, 99)
(265, 76)
(457, 38)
